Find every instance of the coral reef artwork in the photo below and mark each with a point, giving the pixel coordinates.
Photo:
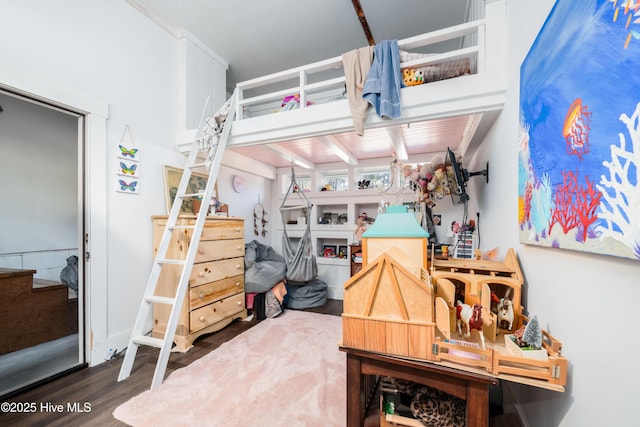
(579, 152)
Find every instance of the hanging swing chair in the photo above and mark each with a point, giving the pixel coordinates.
(301, 261)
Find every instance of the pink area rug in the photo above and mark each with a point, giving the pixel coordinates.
(285, 371)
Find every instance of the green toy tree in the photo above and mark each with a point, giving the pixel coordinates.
(532, 333)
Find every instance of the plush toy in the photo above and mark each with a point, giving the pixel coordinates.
(293, 100)
(412, 77)
(410, 173)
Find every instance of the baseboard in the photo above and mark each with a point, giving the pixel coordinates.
(115, 343)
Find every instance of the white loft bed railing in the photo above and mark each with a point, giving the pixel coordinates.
(481, 93)
(466, 31)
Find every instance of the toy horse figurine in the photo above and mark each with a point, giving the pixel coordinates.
(505, 311)
(471, 318)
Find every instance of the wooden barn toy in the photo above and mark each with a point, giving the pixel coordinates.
(495, 285)
(388, 309)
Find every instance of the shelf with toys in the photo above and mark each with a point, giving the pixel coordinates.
(345, 201)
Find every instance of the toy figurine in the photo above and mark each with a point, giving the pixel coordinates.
(470, 318)
(360, 229)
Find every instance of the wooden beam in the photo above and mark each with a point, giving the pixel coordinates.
(363, 22)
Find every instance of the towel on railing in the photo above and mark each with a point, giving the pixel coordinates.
(356, 64)
(382, 87)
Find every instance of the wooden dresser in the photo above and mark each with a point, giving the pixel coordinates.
(216, 287)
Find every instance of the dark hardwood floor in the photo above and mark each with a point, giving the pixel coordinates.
(97, 387)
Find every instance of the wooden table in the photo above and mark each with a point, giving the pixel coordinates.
(474, 388)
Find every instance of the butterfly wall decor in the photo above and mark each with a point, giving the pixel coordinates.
(128, 186)
(128, 152)
(128, 170)
(127, 175)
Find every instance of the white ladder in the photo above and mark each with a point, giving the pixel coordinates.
(138, 336)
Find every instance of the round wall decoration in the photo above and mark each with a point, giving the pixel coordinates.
(238, 183)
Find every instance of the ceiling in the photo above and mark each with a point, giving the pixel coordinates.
(275, 35)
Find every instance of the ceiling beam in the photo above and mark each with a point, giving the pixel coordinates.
(338, 149)
(290, 156)
(398, 142)
(246, 164)
(363, 22)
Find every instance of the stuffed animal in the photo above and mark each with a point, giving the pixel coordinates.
(412, 77)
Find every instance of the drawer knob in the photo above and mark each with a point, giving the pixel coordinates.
(239, 302)
(238, 266)
(201, 274)
(201, 295)
(201, 251)
(202, 318)
(239, 247)
(238, 229)
(238, 284)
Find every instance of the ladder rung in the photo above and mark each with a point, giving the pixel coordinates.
(171, 261)
(198, 165)
(161, 300)
(180, 227)
(190, 195)
(147, 340)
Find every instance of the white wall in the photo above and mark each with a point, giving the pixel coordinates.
(585, 300)
(108, 52)
(105, 51)
(256, 189)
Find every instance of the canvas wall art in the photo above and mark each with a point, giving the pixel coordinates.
(579, 153)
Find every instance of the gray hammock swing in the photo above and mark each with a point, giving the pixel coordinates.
(300, 260)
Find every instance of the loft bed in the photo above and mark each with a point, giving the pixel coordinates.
(467, 81)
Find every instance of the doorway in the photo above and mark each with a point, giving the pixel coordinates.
(41, 241)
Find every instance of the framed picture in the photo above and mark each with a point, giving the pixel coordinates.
(329, 251)
(342, 251)
(172, 178)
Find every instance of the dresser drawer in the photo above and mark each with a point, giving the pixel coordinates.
(223, 229)
(214, 312)
(211, 250)
(207, 272)
(210, 292)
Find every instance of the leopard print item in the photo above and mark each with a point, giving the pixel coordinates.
(404, 386)
(435, 408)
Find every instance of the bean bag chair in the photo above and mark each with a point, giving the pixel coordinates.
(263, 267)
(300, 295)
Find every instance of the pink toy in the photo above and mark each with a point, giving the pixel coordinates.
(289, 98)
